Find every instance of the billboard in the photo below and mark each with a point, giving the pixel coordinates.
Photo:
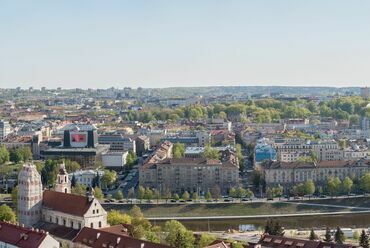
(78, 139)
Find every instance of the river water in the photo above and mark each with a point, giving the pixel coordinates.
(355, 220)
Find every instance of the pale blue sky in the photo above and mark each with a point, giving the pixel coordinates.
(155, 43)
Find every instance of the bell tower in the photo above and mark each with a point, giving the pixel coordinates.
(63, 184)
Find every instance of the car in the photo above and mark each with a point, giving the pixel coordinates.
(189, 200)
(111, 200)
(120, 201)
(322, 196)
(107, 201)
(270, 199)
(173, 200)
(245, 199)
(227, 200)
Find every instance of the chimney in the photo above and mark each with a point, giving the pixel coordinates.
(118, 240)
(97, 235)
(142, 245)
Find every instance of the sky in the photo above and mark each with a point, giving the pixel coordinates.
(163, 43)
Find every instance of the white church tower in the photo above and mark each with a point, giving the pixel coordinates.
(29, 195)
(63, 184)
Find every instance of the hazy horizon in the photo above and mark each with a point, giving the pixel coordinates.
(160, 44)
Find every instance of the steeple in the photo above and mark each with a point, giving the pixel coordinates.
(63, 184)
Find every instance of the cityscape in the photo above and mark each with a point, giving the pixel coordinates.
(184, 124)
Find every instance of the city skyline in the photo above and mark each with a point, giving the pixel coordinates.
(166, 44)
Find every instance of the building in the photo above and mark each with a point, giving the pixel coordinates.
(161, 171)
(96, 238)
(271, 241)
(13, 235)
(117, 142)
(86, 177)
(57, 207)
(4, 129)
(114, 160)
(264, 151)
(80, 145)
(142, 145)
(63, 183)
(288, 174)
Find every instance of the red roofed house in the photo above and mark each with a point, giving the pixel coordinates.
(12, 235)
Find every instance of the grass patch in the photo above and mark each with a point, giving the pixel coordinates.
(351, 202)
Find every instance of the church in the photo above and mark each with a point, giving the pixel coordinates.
(58, 207)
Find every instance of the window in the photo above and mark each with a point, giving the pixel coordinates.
(92, 225)
(93, 211)
(99, 224)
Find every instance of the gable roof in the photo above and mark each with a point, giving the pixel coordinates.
(99, 238)
(66, 203)
(284, 242)
(20, 236)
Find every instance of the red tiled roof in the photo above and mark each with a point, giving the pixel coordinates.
(99, 238)
(284, 242)
(20, 236)
(66, 203)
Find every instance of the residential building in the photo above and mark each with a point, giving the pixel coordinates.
(114, 160)
(162, 171)
(142, 144)
(15, 235)
(4, 129)
(288, 174)
(86, 177)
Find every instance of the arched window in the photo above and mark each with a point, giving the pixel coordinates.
(99, 223)
(92, 225)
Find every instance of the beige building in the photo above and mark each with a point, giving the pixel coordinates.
(162, 171)
(291, 173)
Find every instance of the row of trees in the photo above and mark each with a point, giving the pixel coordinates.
(263, 110)
(173, 232)
(15, 155)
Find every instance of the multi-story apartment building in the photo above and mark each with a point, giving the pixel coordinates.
(162, 171)
(4, 129)
(290, 173)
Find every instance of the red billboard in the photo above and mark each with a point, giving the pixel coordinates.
(78, 138)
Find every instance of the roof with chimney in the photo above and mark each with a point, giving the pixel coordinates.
(100, 238)
(285, 242)
(66, 203)
(21, 236)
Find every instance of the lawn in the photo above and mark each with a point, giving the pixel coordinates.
(222, 209)
(352, 202)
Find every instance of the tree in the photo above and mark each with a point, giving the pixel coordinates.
(178, 235)
(278, 191)
(15, 196)
(148, 194)
(185, 196)
(108, 178)
(333, 186)
(98, 193)
(141, 193)
(178, 150)
(347, 185)
(115, 217)
(365, 182)
(130, 193)
(313, 235)
(240, 192)
(274, 228)
(339, 236)
(208, 195)
(269, 193)
(131, 159)
(26, 153)
(328, 237)
(211, 153)
(72, 166)
(4, 154)
(237, 245)
(73, 180)
(249, 194)
(205, 240)
(78, 189)
(15, 155)
(232, 192)
(195, 197)
(176, 197)
(7, 214)
(49, 172)
(309, 187)
(364, 239)
(166, 194)
(118, 195)
(216, 192)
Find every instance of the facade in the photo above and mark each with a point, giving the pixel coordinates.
(13, 236)
(114, 159)
(288, 174)
(63, 184)
(117, 142)
(29, 195)
(85, 177)
(264, 151)
(4, 129)
(142, 145)
(189, 174)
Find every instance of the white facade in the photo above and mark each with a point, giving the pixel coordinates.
(4, 129)
(29, 195)
(63, 184)
(114, 159)
(85, 177)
